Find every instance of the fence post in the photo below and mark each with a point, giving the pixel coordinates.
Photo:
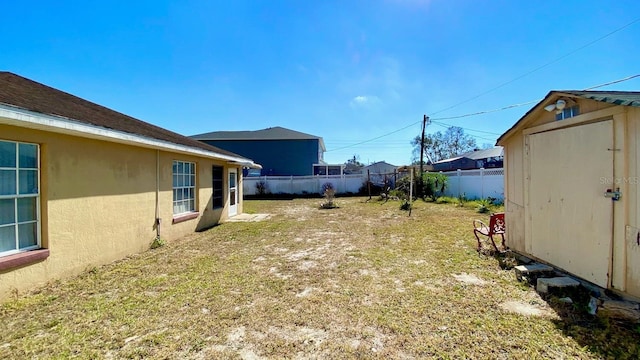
(369, 183)
(482, 182)
(459, 179)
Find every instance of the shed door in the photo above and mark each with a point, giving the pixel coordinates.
(569, 219)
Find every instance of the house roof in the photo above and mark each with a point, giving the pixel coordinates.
(272, 133)
(484, 153)
(476, 155)
(379, 163)
(20, 93)
(450, 159)
(625, 98)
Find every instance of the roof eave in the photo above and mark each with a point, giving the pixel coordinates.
(15, 116)
(512, 130)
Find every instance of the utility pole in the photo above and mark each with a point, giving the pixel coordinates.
(425, 119)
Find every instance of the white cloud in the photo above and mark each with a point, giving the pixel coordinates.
(365, 101)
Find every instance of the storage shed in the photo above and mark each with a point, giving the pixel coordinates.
(572, 172)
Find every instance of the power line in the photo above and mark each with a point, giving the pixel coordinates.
(376, 138)
(488, 111)
(507, 83)
(540, 67)
(475, 114)
(475, 136)
(613, 82)
(479, 131)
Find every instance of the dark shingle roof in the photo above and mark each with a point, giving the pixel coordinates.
(17, 91)
(272, 133)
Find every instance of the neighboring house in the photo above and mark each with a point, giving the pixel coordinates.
(380, 171)
(280, 151)
(572, 195)
(82, 185)
(486, 158)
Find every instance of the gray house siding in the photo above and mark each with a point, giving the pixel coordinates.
(277, 157)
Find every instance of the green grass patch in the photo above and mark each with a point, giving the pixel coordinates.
(364, 280)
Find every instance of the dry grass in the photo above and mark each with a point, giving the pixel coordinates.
(361, 281)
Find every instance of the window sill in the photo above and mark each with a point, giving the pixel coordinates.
(22, 259)
(185, 217)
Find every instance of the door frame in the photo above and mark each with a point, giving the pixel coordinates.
(232, 196)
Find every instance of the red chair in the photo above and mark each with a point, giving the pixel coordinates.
(496, 227)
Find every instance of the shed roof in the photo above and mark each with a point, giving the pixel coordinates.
(625, 98)
(22, 93)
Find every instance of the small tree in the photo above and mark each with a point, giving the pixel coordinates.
(439, 146)
(353, 165)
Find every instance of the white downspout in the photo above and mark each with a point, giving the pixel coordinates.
(157, 221)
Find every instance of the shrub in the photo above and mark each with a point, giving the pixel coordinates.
(484, 205)
(364, 189)
(329, 194)
(261, 188)
(462, 199)
(434, 185)
(326, 186)
(157, 242)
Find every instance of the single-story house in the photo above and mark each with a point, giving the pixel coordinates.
(572, 170)
(477, 159)
(82, 185)
(280, 151)
(380, 171)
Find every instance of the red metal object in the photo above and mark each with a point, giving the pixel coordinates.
(496, 227)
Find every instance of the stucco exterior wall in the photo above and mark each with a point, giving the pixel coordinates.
(98, 203)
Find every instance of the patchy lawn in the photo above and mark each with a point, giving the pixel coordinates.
(361, 281)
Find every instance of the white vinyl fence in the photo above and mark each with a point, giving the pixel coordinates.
(474, 184)
(480, 183)
(302, 184)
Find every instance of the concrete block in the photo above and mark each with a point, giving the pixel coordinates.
(531, 272)
(557, 285)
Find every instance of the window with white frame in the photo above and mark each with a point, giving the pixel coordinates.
(568, 112)
(184, 187)
(19, 197)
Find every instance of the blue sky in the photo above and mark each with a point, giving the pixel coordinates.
(348, 71)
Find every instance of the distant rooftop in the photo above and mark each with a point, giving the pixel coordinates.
(272, 133)
(477, 154)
